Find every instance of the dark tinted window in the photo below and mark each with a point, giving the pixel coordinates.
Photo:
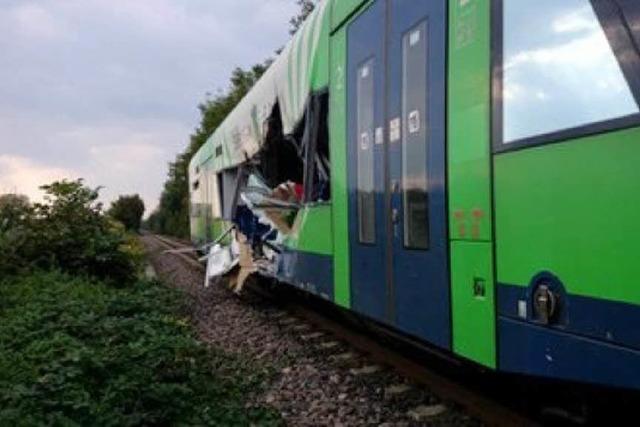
(365, 157)
(415, 138)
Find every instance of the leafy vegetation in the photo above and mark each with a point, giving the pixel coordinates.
(128, 210)
(172, 215)
(67, 232)
(75, 351)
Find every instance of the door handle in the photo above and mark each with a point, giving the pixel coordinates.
(395, 216)
(395, 186)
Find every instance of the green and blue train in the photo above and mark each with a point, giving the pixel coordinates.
(466, 172)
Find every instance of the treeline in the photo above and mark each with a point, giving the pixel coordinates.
(172, 215)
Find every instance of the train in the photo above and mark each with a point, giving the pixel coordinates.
(463, 172)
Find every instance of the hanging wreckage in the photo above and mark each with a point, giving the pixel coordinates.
(251, 181)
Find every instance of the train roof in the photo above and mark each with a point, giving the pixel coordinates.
(301, 69)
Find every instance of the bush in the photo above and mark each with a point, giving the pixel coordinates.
(79, 352)
(67, 232)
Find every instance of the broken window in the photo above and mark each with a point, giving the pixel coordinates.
(301, 158)
(280, 159)
(230, 183)
(316, 146)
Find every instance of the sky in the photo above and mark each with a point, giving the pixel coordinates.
(107, 90)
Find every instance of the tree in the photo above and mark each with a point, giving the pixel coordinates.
(128, 210)
(14, 210)
(306, 7)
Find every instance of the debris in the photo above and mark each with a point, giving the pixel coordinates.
(245, 260)
(220, 261)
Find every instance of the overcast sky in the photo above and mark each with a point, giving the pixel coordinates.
(108, 89)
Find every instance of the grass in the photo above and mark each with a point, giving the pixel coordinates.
(75, 351)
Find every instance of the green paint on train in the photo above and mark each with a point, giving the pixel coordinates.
(469, 157)
(541, 207)
(572, 209)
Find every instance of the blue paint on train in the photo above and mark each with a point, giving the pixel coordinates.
(307, 271)
(530, 349)
(609, 321)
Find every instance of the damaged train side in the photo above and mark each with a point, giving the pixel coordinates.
(387, 162)
(261, 185)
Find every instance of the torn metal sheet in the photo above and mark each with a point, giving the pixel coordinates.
(221, 260)
(246, 263)
(301, 68)
(277, 208)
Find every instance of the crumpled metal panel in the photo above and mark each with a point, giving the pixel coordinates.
(301, 67)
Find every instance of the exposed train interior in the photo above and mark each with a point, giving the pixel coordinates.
(260, 199)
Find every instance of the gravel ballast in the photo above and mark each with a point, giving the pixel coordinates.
(318, 379)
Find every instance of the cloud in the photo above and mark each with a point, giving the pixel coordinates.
(23, 176)
(30, 20)
(108, 90)
(125, 157)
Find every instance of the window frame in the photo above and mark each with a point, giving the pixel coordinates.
(620, 41)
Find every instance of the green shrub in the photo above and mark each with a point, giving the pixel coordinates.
(67, 232)
(79, 352)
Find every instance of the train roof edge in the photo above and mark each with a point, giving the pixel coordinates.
(301, 68)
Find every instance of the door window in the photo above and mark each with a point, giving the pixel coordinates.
(365, 156)
(415, 138)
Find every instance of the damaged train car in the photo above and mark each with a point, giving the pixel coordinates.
(262, 183)
(446, 168)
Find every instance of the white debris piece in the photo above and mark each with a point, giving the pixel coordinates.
(221, 260)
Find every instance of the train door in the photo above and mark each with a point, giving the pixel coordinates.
(405, 260)
(366, 70)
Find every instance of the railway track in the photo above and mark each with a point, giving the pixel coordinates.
(188, 257)
(316, 318)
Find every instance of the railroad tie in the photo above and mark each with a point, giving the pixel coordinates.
(312, 336)
(366, 370)
(277, 314)
(288, 321)
(396, 390)
(424, 412)
(328, 345)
